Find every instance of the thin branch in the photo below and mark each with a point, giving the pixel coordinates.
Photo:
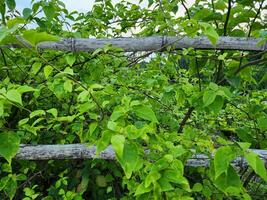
(227, 18)
(259, 61)
(256, 16)
(213, 9)
(186, 117)
(186, 9)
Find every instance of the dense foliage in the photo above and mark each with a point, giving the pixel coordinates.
(174, 103)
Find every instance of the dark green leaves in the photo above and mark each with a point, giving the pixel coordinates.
(11, 4)
(26, 13)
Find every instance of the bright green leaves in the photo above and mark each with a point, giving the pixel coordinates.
(223, 157)
(48, 69)
(118, 112)
(83, 96)
(152, 178)
(145, 112)
(9, 145)
(6, 34)
(209, 97)
(104, 141)
(117, 142)
(70, 59)
(37, 113)
(130, 161)
(34, 37)
(14, 96)
(262, 122)
(256, 164)
(36, 67)
(49, 11)
(229, 182)
(210, 32)
(163, 175)
(68, 85)
(214, 95)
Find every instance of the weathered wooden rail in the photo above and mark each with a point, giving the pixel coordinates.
(151, 43)
(82, 151)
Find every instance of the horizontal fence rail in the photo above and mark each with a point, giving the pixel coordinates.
(82, 151)
(150, 43)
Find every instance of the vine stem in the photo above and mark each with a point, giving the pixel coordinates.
(186, 117)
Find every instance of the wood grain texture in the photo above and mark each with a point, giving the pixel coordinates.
(82, 151)
(150, 43)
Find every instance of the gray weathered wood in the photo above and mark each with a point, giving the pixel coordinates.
(151, 43)
(81, 151)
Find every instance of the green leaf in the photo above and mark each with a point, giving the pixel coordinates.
(36, 67)
(217, 104)
(256, 164)
(14, 96)
(104, 141)
(48, 70)
(49, 11)
(262, 121)
(213, 86)
(14, 22)
(117, 142)
(130, 160)
(23, 121)
(101, 181)
(5, 33)
(175, 176)
(83, 96)
(210, 32)
(34, 37)
(53, 111)
(37, 113)
(1, 108)
(117, 113)
(145, 112)
(165, 185)
(25, 88)
(70, 59)
(26, 13)
(11, 4)
(197, 187)
(229, 180)
(68, 85)
(68, 70)
(141, 189)
(151, 178)
(222, 159)
(209, 97)
(9, 145)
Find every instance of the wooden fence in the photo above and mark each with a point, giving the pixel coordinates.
(81, 151)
